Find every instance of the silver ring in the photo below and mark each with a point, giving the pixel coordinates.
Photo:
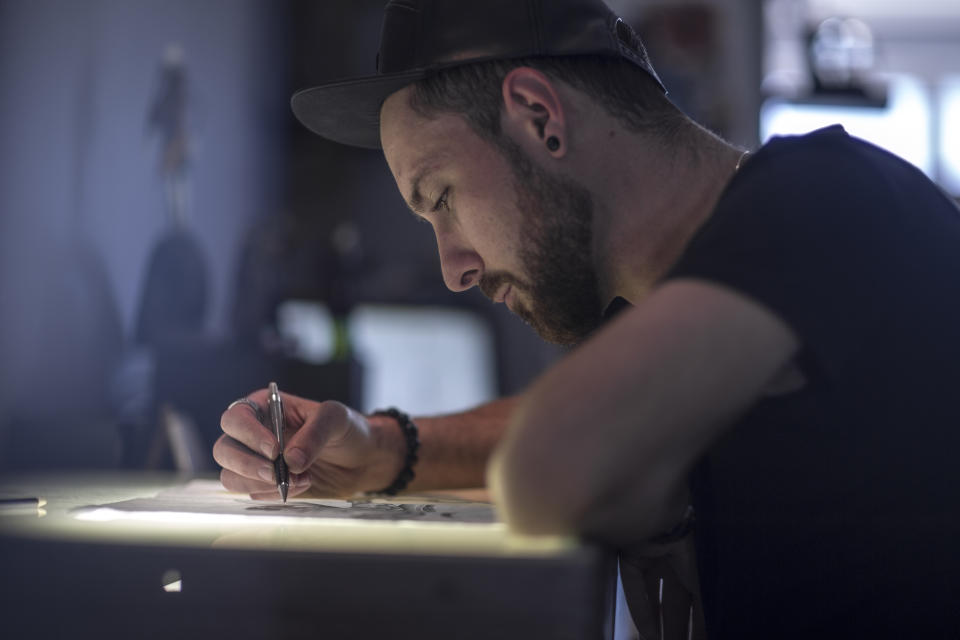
(250, 403)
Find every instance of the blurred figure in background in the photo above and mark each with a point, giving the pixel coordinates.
(171, 318)
(173, 302)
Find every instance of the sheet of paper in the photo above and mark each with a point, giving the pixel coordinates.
(209, 497)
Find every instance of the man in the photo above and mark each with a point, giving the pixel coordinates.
(786, 366)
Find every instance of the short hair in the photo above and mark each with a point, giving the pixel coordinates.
(623, 89)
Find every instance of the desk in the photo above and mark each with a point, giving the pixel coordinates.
(70, 578)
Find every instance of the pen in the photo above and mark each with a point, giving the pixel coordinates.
(11, 505)
(275, 405)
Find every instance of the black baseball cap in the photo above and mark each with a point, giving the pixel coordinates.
(420, 37)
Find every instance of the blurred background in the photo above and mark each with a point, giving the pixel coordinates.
(171, 239)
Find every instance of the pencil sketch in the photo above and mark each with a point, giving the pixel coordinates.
(209, 497)
(380, 510)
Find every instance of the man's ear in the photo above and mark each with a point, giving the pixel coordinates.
(533, 111)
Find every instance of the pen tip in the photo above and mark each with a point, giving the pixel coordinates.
(283, 492)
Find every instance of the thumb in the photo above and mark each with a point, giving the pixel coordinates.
(306, 446)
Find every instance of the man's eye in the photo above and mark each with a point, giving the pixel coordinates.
(442, 201)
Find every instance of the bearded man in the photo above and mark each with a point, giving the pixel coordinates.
(782, 364)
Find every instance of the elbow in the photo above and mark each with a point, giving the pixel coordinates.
(537, 486)
(525, 500)
(541, 485)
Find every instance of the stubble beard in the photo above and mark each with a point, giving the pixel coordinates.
(556, 238)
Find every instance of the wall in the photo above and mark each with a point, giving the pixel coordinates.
(81, 199)
(76, 156)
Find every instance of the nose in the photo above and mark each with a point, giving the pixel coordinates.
(462, 267)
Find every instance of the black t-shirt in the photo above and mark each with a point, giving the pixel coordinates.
(834, 511)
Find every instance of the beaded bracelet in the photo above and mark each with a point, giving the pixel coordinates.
(410, 434)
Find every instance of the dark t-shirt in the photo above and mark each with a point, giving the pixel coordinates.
(834, 511)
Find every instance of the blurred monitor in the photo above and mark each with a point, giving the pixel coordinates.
(423, 360)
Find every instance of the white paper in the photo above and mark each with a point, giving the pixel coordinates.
(210, 498)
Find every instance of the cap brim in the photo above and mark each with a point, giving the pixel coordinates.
(349, 112)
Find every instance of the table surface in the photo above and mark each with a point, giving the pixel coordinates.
(67, 493)
(285, 577)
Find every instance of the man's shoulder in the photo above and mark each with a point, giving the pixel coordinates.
(828, 156)
(793, 159)
(819, 143)
(785, 182)
(834, 134)
(831, 176)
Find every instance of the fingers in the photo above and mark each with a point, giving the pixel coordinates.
(260, 490)
(328, 422)
(326, 439)
(240, 423)
(272, 494)
(239, 484)
(238, 458)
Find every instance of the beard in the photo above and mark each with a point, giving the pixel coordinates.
(556, 239)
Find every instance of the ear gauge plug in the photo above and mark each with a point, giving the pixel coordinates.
(553, 143)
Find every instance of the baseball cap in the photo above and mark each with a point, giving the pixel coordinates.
(421, 37)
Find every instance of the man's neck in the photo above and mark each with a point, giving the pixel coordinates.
(656, 201)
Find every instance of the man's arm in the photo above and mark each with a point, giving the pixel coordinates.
(601, 444)
(454, 449)
(333, 450)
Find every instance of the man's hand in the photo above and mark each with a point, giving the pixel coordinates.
(331, 449)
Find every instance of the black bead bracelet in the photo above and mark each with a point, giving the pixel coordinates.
(410, 434)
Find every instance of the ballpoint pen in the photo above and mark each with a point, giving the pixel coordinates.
(275, 405)
(21, 505)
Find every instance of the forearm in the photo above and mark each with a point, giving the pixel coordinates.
(569, 464)
(454, 449)
(603, 441)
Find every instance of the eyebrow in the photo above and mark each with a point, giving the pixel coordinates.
(416, 198)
